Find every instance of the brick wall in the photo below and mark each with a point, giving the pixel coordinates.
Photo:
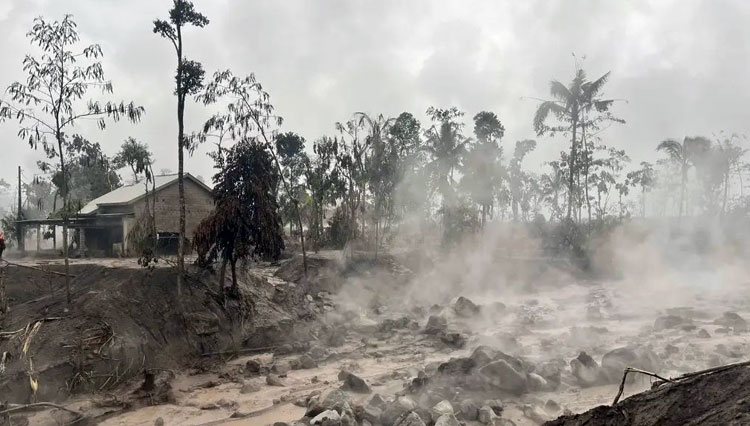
(198, 204)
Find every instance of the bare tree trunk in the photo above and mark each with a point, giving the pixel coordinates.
(180, 165)
(64, 216)
(222, 275)
(571, 166)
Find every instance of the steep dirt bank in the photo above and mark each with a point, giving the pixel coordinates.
(122, 322)
(722, 398)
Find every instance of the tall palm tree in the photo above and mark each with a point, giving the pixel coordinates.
(573, 105)
(684, 154)
(566, 107)
(446, 145)
(379, 169)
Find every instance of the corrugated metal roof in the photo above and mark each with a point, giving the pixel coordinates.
(129, 193)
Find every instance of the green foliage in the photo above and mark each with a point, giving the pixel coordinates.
(245, 223)
(339, 229)
(459, 220)
(136, 156)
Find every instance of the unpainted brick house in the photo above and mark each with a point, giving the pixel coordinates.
(105, 222)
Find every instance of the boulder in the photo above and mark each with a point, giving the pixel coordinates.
(703, 334)
(281, 368)
(353, 382)
(465, 308)
(469, 409)
(505, 377)
(552, 372)
(408, 419)
(552, 408)
(252, 368)
(447, 420)
(397, 408)
(394, 324)
(333, 399)
(671, 322)
(249, 387)
(486, 416)
(326, 418)
(436, 325)
(483, 355)
(441, 408)
(587, 371)
(537, 382)
(536, 414)
(274, 380)
(304, 362)
(454, 339)
(615, 361)
(732, 320)
(495, 404)
(457, 366)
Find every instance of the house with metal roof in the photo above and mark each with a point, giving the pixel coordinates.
(106, 222)
(105, 225)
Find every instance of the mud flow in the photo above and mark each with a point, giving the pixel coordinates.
(394, 341)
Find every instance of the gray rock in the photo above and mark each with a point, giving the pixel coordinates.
(457, 366)
(159, 422)
(252, 368)
(536, 413)
(274, 380)
(453, 339)
(703, 334)
(249, 387)
(447, 420)
(281, 368)
(304, 362)
(465, 308)
(400, 406)
(495, 404)
(441, 408)
(615, 361)
(377, 401)
(240, 414)
(503, 376)
(469, 409)
(326, 418)
(486, 416)
(537, 382)
(353, 382)
(732, 320)
(587, 371)
(436, 325)
(408, 419)
(552, 372)
(333, 399)
(671, 322)
(552, 407)
(483, 355)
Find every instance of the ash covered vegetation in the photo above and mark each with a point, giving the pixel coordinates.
(412, 269)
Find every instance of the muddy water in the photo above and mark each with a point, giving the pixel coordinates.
(552, 324)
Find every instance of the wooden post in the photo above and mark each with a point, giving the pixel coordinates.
(19, 216)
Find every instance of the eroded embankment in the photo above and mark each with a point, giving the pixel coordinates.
(124, 321)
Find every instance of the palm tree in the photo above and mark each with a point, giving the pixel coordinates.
(446, 145)
(729, 158)
(571, 105)
(379, 169)
(566, 106)
(684, 154)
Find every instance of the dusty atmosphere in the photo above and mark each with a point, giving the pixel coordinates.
(512, 214)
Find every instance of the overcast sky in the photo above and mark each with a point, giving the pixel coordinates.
(682, 66)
